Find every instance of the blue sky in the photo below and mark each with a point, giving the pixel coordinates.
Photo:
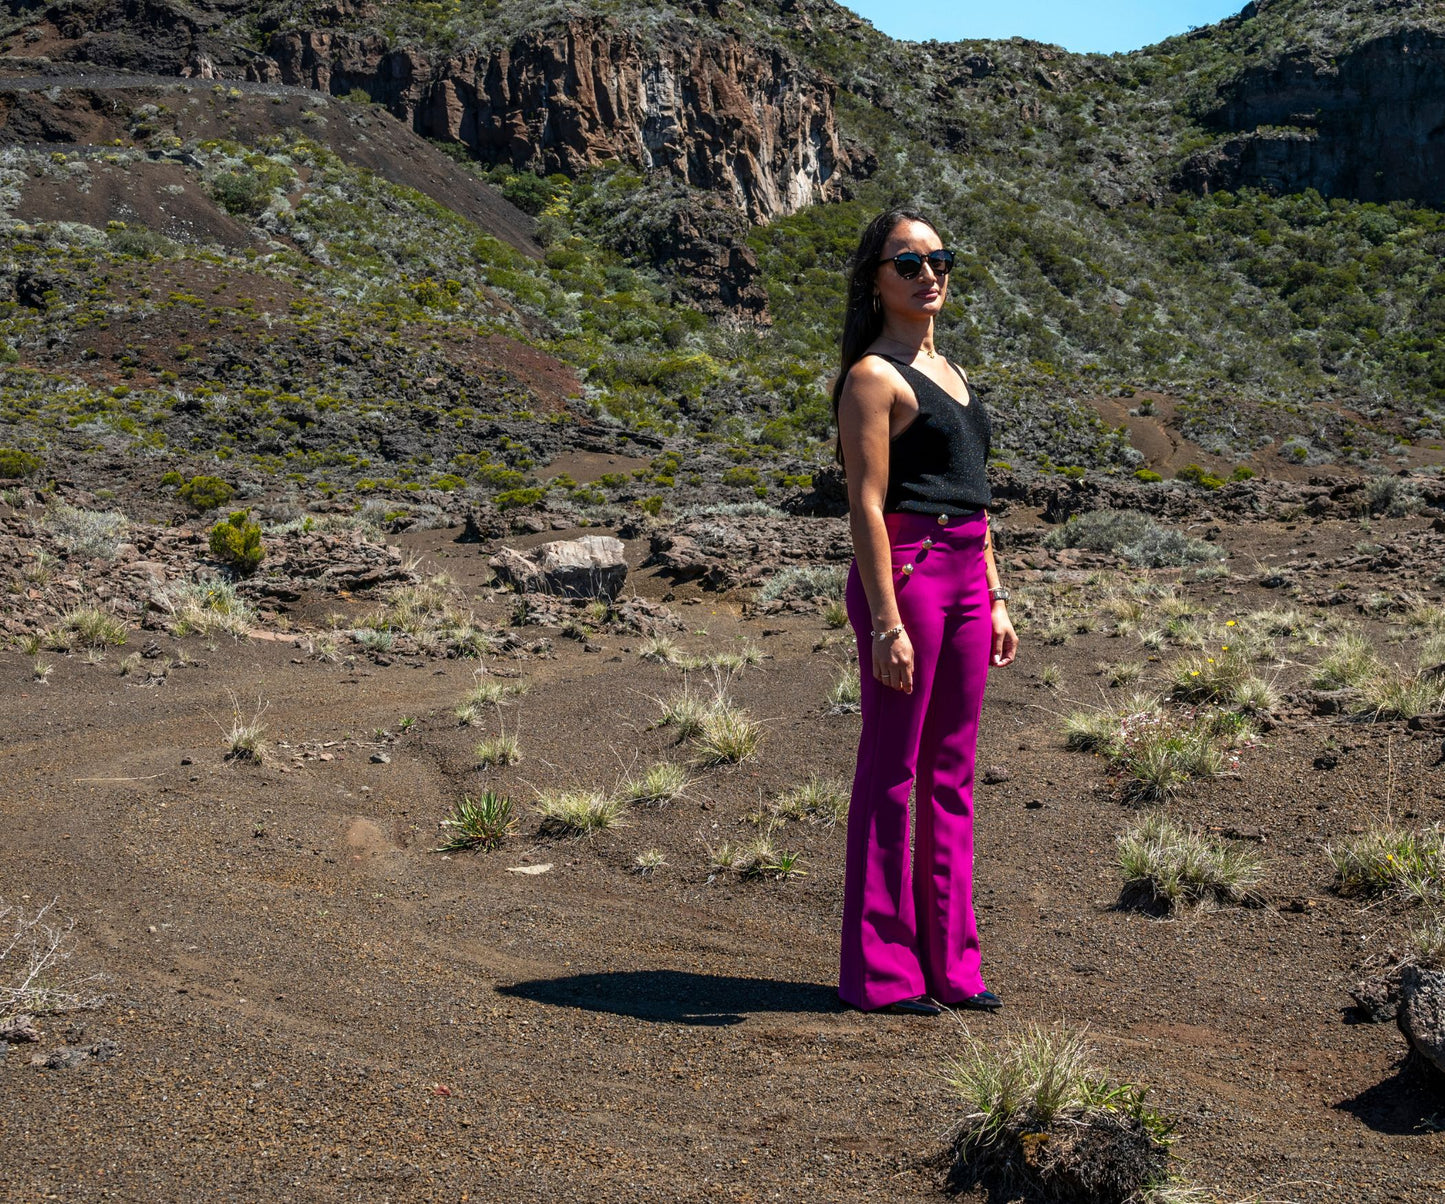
(1112, 25)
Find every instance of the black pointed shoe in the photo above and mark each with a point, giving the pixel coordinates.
(919, 1005)
(984, 1001)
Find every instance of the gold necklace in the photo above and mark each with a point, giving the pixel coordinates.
(931, 354)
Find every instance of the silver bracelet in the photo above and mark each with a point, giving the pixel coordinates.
(891, 634)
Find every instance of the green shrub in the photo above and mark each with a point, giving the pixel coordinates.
(510, 499)
(237, 542)
(1147, 475)
(16, 463)
(207, 493)
(172, 479)
(1198, 476)
(741, 475)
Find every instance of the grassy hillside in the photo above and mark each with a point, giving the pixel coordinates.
(1305, 326)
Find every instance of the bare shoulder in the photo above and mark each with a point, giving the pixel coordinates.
(872, 378)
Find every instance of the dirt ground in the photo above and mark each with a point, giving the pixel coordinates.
(311, 1004)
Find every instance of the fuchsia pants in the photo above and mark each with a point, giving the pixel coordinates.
(908, 923)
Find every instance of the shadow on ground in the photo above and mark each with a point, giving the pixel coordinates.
(1408, 1103)
(678, 997)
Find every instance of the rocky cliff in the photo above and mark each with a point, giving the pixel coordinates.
(736, 119)
(1369, 124)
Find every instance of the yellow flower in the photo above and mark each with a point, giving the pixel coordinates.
(1193, 672)
(1224, 647)
(1211, 660)
(1230, 623)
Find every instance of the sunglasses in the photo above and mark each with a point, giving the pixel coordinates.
(910, 263)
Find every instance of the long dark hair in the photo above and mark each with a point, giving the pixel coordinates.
(863, 320)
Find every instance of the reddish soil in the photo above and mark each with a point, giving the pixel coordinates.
(310, 1004)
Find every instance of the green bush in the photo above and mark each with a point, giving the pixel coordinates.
(207, 493)
(741, 475)
(237, 542)
(1199, 476)
(16, 463)
(1147, 475)
(512, 498)
(171, 479)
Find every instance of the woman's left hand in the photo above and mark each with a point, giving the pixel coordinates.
(1005, 639)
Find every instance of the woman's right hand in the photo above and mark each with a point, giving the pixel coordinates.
(893, 662)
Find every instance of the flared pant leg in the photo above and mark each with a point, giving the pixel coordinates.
(943, 854)
(908, 922)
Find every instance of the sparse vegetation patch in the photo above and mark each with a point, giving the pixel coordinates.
(1039, 1117)
(1389, 859)
(1134, 536)
(479, 824)
(1161, 861)
(578, 812)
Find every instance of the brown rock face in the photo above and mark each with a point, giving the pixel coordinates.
(1370, 125)
(740, 120)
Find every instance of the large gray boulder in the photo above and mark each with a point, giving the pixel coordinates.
(590, 567)
(1422, 1013)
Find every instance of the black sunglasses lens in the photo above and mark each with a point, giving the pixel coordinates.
(908, 264)
(940, 262)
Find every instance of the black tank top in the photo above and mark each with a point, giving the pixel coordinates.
(936, 463)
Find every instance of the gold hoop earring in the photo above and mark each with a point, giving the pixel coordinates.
(877, 303)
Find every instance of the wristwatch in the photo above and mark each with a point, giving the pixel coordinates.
(999, 595)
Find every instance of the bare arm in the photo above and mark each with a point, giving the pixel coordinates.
(1005, 640)
(865, 412)
(990, 567)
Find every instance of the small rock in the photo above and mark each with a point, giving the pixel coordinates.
(1329, 702)
(1378, 997)
(995, 774)
(19, 1028)
(68, 1057)
(380, 758)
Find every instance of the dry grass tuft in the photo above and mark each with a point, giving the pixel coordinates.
(246, 738)
(1168, 863)
(818, 801)
(578, 812)
(93, 627)
(1387, 859)
(657, 784)
(502, 749)
(1036, 1111)
(727, 735)
(846, 695)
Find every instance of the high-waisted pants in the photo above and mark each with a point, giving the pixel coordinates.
(910, 928)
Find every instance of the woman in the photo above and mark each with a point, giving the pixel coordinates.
(925, 601)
